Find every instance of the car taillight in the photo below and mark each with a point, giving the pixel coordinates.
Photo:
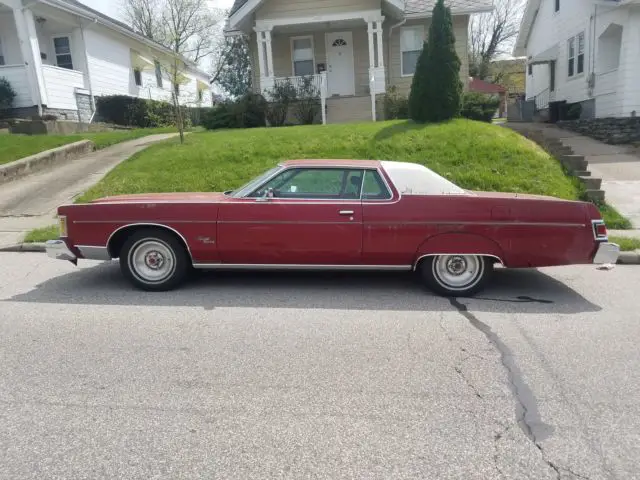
(600, 230)
(62, 220)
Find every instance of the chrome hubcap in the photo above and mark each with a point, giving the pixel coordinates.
(152, 261)
(458, 271)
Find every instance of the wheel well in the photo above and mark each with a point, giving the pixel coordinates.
(422, 259)
(118, 239)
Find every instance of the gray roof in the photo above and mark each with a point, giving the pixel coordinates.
(415, 6)
(237, 5)
(422, 6)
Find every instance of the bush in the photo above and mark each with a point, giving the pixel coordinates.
(307, 106)
(281, 96)
(478, 106)
(138, 112)
(7, 94)
(396, 106)
(248, 111)
(436, 88)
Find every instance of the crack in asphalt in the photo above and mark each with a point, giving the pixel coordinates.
(527, 414)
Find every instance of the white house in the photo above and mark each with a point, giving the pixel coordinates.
(583, 51)
(59, 55)
(353, 49)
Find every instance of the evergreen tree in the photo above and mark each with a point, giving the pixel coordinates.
(436, 90)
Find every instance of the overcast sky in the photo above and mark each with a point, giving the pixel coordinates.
(113, 8)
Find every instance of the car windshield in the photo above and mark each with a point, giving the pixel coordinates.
(255, 183)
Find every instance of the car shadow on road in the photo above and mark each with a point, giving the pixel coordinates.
(517, 291)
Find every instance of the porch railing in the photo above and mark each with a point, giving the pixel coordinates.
(542, 99)
(313, 86)
(61, 85)
(16, 75)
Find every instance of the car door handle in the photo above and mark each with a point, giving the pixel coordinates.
(346, 212)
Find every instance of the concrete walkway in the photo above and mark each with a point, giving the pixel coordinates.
(617, 165)
(31, 202)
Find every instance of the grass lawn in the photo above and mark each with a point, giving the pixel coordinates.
(15, 147)
(474, 155)
(627, 244)
(40, 235)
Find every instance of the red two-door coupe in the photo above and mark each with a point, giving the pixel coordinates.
(335, 214)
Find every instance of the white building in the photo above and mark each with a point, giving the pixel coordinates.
(59, 54)
(583, 51)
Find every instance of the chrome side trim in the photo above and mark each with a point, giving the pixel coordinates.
(278, 266)
(501, 224)
(143, 221)
(91, 252)
(149, 224)
(415, 264)
(277, 222)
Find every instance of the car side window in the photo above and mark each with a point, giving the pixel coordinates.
(314, 183)
(374, 187)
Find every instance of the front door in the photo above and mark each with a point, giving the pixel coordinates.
(303, 216)
(340, 65)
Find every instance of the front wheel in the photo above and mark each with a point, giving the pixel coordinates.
(456, 275)
(154, 260)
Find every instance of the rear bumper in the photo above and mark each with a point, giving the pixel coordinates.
(607, 253)
(58, 249)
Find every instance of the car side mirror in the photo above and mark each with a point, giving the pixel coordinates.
(268, 194)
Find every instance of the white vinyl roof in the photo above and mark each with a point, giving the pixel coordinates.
(414, 179)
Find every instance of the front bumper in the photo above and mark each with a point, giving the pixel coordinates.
(607, 253)
(58, 249)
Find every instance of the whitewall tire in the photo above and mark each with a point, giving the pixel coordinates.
(154, 260)
(456, 275)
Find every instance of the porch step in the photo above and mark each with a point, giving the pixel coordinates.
(348, 109)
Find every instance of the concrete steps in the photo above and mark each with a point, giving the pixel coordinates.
(575, 165)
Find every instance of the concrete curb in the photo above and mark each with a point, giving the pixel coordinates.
(24, 247)
(25, 166)
(626, 258)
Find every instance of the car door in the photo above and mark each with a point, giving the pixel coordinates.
(302, 216)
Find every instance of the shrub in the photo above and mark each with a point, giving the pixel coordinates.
(436, 88)
(138, 112)
(281, 96)
(478, 106)
(396, 106)
(307, 101)
(247, 112)
(7, 94)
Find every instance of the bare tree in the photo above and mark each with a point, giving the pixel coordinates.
(492, 35)
(188, 27)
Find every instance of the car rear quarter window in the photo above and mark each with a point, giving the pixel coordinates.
(374, 188)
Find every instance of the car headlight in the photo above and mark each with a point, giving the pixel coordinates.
(63, 225)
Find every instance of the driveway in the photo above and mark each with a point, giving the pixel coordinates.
(324, 376)
(31, 202)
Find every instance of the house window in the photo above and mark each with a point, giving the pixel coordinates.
(302, 56)
(137, 76)
(62, 48)
(200, 95)
(411, 43)
(158, 73)
(575, 55)
(530, 69)
(1, 53)
(557, 9)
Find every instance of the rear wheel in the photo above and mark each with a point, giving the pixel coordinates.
(154, 260)
(456, 275)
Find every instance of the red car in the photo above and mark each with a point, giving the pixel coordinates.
(335, 214)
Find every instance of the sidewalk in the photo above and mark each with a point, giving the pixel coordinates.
(31, 202)
(617, 165)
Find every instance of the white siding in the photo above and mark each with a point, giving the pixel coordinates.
(617, 91)
(274, 9)
(61, 85)
(17, 77)
(9, 37)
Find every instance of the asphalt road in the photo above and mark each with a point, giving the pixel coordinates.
(254, 376)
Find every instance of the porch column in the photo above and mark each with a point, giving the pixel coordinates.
(379, 39)
(372, 53)
(267, 35)
(30, 49)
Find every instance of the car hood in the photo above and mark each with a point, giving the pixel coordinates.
(163, 197)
